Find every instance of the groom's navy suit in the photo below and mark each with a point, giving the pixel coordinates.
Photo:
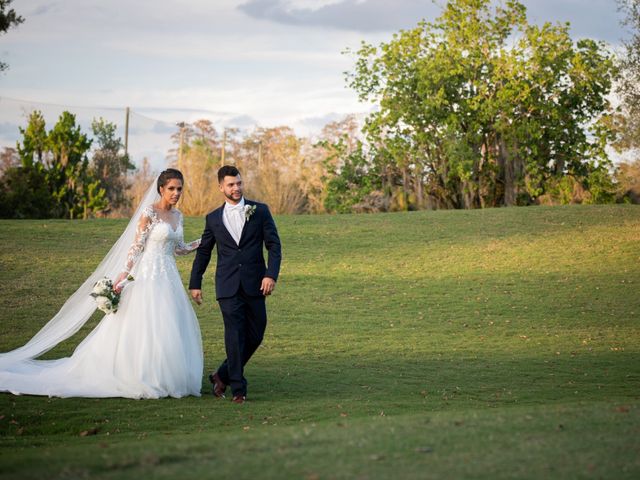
(240, 269)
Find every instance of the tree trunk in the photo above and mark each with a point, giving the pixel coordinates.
(406, 186)
(507, 173)
(478, 195)
(419, 189)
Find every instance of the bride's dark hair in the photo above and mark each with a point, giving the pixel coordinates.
(167, 175)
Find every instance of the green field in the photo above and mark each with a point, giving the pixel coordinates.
(501, 343)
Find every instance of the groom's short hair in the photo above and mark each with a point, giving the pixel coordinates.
(227, 171)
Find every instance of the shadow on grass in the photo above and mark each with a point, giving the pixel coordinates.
(288, 390)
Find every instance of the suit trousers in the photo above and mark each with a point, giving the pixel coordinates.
(245, 320)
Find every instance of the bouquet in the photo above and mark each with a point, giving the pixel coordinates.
(105, 296)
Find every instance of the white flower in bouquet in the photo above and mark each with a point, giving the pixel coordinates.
(104, 304)
(103, 286)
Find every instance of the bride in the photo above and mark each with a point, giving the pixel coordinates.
(149, 348)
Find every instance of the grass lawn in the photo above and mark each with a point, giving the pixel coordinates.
(502, 343)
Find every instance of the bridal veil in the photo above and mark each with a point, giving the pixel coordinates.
(80, 305)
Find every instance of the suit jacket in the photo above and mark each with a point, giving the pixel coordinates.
(238, 264)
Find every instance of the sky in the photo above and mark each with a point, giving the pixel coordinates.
(241, 63)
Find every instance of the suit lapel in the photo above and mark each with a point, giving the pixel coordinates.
(246, 221)
(223, 226)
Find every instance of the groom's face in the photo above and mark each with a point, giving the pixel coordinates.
(231, 187)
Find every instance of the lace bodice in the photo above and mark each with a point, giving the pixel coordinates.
(158, 239)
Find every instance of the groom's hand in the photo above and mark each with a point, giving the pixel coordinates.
(268, 284)
(196, 296)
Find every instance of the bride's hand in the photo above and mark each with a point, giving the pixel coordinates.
(116, 284)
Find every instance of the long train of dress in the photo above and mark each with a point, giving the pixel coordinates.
(150, 348)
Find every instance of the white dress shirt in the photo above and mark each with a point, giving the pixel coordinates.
(233, 219)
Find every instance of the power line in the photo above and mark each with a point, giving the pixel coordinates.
(17, 100)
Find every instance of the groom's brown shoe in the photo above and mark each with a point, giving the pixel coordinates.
(239, 399)
(218, 385)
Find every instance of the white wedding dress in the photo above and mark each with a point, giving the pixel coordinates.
(150, 348)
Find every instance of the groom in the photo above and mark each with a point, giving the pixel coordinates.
(240, 228)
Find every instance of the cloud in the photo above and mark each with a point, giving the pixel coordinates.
(41, 10)
(235, 62)
(355, 15)
(595, 19)
(242, 122)
(317, 123)
(9, 130)
(164, 127)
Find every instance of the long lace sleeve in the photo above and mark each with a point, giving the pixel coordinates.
(185, 248)
(137, 247)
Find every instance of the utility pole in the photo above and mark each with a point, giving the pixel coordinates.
(223, 148)
(259, 154)
(181, 146)
(126, 132)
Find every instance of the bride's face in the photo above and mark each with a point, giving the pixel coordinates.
(172, 191)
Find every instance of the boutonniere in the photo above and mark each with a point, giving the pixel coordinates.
(248, 211)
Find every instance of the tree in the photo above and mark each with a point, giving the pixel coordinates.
(24, 193)
(110, 164)
(75, 190)
(141, 179)
(482, 109)
(626, 121)
(8, 19)
(53, 178)
(277, 169)
(336, 142)
(199, 163)
(8, 159)
(350, 182)
(34, 141)
(627, 176)
(628, 88)
(353, 183)
(24, 189)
